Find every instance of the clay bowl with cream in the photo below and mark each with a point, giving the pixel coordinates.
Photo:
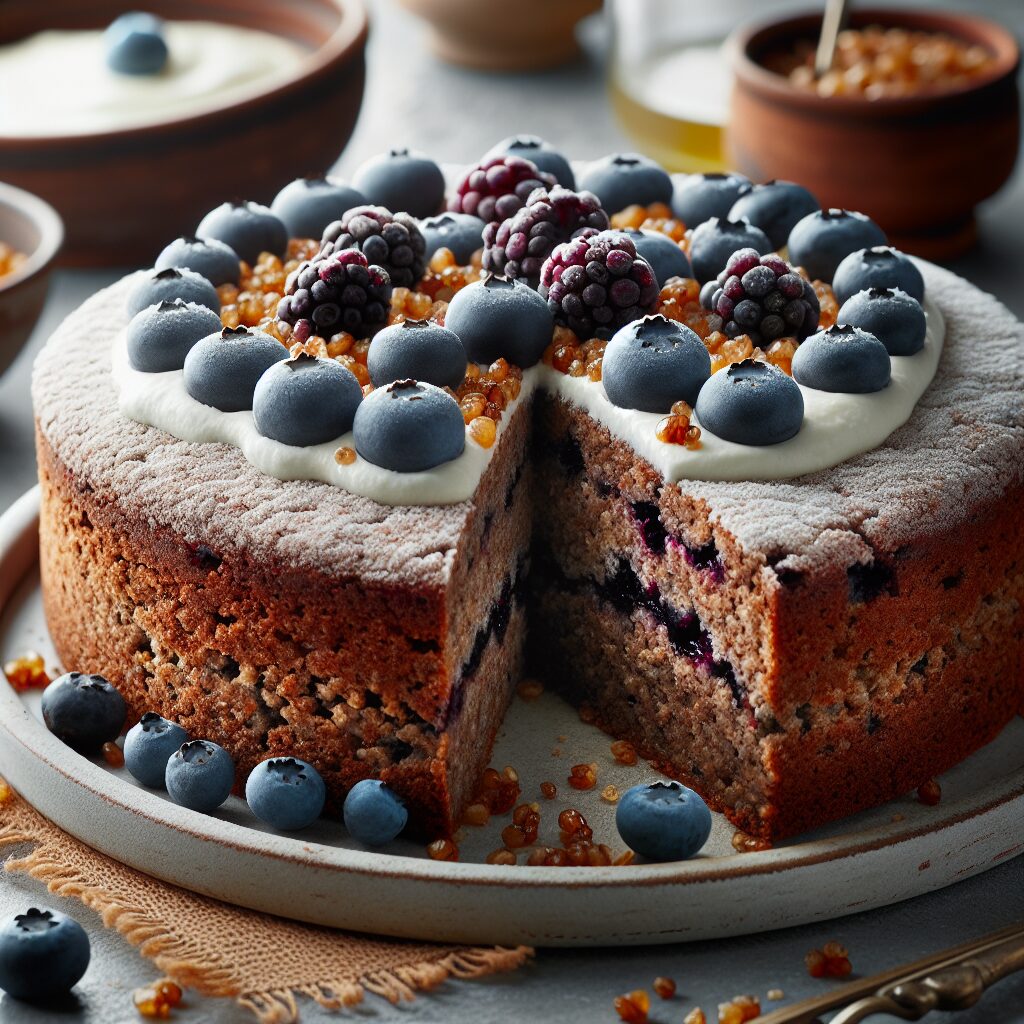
(32, 228)
(918, 163)
(124, 193)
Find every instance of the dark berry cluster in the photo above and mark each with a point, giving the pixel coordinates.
(762, 297)
(596, 284)
(335, 292)
(496, 188)
(391, 241)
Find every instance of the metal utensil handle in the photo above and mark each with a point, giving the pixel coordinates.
(832, 24)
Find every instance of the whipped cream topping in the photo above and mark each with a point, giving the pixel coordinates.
(57, 82)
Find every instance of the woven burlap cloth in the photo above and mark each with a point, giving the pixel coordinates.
(264, 963)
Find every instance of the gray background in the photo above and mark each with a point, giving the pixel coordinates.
(455, 115)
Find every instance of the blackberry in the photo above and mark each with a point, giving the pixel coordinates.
(762, 297)
(337, 291)
(518, 246)
(498, 187)
(391, 241)
(596, 284)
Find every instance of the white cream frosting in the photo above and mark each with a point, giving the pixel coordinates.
(57, 82)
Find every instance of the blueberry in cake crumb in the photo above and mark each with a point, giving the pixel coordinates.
(497, 187)
(654, 362)
(148, 745)
(699, 197)
(199, 775)
(842, 358)
(663, 821)
(305, 401)
(171, 284)
(540, 153)
(461, 233)
(286, 793)
(84, 711)
(249, 228)
(161, 336)
(775, 207)
(401, 180)
(751, 402)
(714, 241)
(419, 349)
(627, 179)
(136, 44)
(480, 315)
(409, 426)
(43, 955)
(374, 814)
(667, 258)
(891, 315)
(881, 266)
(221, 370)
(211, 257)
(391, 241)
(821, 240)
(307, 205)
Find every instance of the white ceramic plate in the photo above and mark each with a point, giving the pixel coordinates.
(870, 860)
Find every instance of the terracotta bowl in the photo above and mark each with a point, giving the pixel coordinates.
(32, 227)
(124, 194)
(917, 164)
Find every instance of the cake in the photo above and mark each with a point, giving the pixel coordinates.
(795, 646)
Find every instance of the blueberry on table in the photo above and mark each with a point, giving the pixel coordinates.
(842, 359)
(305, 401)
(891, 315)
(199, 775)
(43, 954)
(775, 207)
(699, 197)
(878, 267)
(248, 227)
(667, 258)
(624, 179)
(212, 258)
(286, 793)
(160, 337)
(419, 349)
(820, 241)
(402, 181)
(540, 153)
(222, 369)
(374, 814)
(307, 205)
(148, 745)
(84, 711)
(663, 821)
(714, 241)
(462, 233)
(652, 363)
(752, 403)
(170, 284)
(136, 45)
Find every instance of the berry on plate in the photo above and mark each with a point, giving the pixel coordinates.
(775, 207)
(462, 233)
(221, 370)
(750, 402)
(497, 187)
(84, 711)
(842, 358)
(374, 814)
(135, 44)
(878, 267)
(391, 241)
(626, 179)
(160, 337)
(170, 284)
(401, 180)
(891, 315)
(211, 257)
(667, 258)
(307, 205)
(199, 775)
(248, 227)
(714, 241)
(820, 241)
(148, 745)
(663, 821)
(43, 955)
(286, 793)
(699, 197)
(419, 349)
(540, 153)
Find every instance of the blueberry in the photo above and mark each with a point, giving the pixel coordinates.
(622, 179)
(212, 258)
(699, 197)
(307, 205)
(842, 358)
(247, 227)
(85, 711)
(419, 349)
(653, 362)
(403, 181)
(663, 821)
(878, 267)
(775, 207)
(136, 45)
(891, 315)
(667, 259)
(374, 814)
(305, 401)
(820, 241)
(199, 775)
(751, 403)
(540, 153)
(409, 427)
(222, 369)
(148, 745)
(171, 284)
(160, 336)
(286, 793)
(714, 241)
(480, 314)
(460, 232)
(43, 954)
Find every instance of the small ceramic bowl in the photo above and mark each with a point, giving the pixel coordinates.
(917, 164)
(34, 228)
(124, 194)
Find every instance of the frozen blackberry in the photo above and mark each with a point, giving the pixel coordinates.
(518, 246)
(337, 291)
(496, 188)
(391, 241)
(762, 297)
(594, 285)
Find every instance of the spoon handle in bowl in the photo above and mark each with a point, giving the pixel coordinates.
(831, 25)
